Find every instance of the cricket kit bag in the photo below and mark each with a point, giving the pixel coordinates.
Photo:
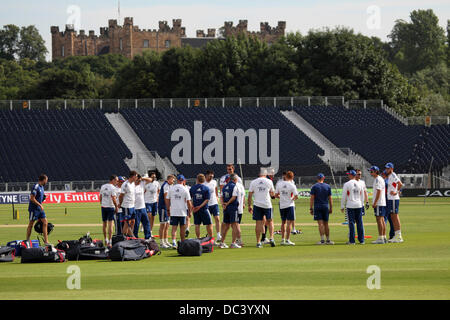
(92, 252)
(207, 244)
(70, 247)
(19, 244)
(190, 247)
(7, 254)
(38, 227)
(129, 250)
(42, 254)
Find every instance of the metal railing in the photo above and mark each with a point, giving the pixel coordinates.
(428, 120)
(117, 104)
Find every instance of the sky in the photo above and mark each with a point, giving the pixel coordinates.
(371, 18)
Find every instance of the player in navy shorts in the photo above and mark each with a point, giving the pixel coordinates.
(35, 208)
(201, 195)
(321, 205)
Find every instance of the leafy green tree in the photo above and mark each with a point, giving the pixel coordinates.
(176, 73)
(418, 44)
(138, 78)
(9, 40)
(17, 80)
(31, 45)
(335, 62)
(57, 83)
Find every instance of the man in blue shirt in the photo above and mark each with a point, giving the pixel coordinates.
(321, 205)
(35, 208)
(230, 203)
(200, 195)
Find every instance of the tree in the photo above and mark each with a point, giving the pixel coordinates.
(335, 62)
(31, 45)
(9, 40)
(418, 44)
(176, 73)
(57, 83)
(138, 78)
(17, 80)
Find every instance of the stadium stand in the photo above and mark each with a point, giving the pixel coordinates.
(432, 147)
(155, 126)
(65, 144)
(76, 144)
(379, 137)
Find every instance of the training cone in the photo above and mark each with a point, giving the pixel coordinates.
(365, 237)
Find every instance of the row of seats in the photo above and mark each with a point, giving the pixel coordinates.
(66, 145)
(432, 150)
(379, 137)
(155, 127)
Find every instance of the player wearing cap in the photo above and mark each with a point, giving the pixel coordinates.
(109, 207)
(379, 204)
(151, 198)
(230, 202)
(201, 196)
(213, 204)
(393, 201)
(118, 217)
(126, 202)
(36, 209)
(263, 190)
(287, 192)
(352, 193)
(162, 212)
(139, 207)
(321, 206)
(179, 206)
(387, 218)
(365, 198)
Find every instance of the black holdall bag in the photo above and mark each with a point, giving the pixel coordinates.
(7, 254)
(38, 227)
(129, 250)
(70, 247)
(190, 247)
(92, 252)
(207, 244)
(42, 254)
(153, 246)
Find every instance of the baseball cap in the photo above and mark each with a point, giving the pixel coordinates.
(352, 172)
(389, 165)
(121, 178)
(180, 177)
(374, 168)
(320, 175)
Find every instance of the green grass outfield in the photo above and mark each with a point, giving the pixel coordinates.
(415, 269)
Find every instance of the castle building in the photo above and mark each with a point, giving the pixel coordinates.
(129, 40)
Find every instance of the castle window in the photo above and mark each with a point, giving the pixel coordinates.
(62, 51)
(167, 43)
(120, 44)
(146, 43)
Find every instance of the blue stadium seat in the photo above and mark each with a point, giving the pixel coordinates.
(155, 127)
(66, 145)
(379, 137)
